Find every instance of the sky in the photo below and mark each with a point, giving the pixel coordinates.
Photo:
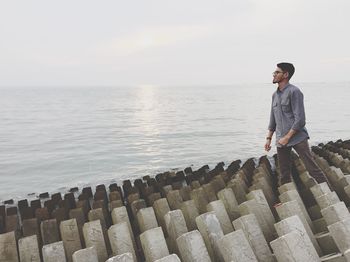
(162, 42)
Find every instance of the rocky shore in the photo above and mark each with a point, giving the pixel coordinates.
(234, 212)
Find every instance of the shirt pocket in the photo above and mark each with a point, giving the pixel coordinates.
(274, 105)
(285, 105)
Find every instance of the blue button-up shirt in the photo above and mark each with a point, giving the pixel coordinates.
(287, 112)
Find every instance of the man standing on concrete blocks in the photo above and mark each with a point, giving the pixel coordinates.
(287, 119)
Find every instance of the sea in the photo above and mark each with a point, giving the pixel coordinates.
(53, 138)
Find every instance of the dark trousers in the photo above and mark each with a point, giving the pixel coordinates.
(303, 150)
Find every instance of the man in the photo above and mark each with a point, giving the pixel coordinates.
(287, 119)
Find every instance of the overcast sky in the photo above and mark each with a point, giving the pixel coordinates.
(179, 42)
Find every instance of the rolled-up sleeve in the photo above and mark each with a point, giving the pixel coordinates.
(297, 104)
(272, 123)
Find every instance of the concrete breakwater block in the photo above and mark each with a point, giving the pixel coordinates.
(185, 193)
(294, 223)
(235, 247)
(250, 226)
(86, 255)
(192, 247)
(8, 247)
(30, 227)
(335, 213)
(161, 207)
(146, 219)
(97, 214)
(292, 208)
(327, 200)
(286, 187)
(209, 192)
(294, 195)
(120, 239)
(29, 249)
(190, 212)
(340, 231)
(120, 215)
(153, 244)
(137, 205)
(176, 226)
(252, 207)
(293, 248)
(221, 213)
(93, 236)
(200, 200)
(320, 189)
(170, 258)
(239, 188)
(210, 229)
(54, 252)
(70, 237)
(174, 199)
(126, 257)
(229, 200)
(263, 205)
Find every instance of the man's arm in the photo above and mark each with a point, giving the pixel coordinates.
(272, 127)
(268, 140)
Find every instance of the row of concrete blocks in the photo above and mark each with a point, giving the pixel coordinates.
(341, 161)
(339, 180)
(147, 219)
(341, 148)
(47, 224)
(261, 221)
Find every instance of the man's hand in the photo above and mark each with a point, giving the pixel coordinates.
(268, 145)
(284, 141)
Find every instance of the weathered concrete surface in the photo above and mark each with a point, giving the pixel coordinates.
(93, 236)
(340, 231)
(292, 208)
(294, 195)
(221, 213)
(190, 212)
(70, 237)
(49, 231)
(293, 223)
(29, 249)
(120, 215)
(146, 219)
(126, 257)
(170, 258)
(86, 255)
(265, 222)
(192, 247)
(327, 200)
(292, 248)
(161, 207)
(120, 239)
(8, 247)
(235, 247)
(210, 229)
(228, 198)
(335, 213)
(153, 244)
(174, 199)
(54, 252)
(250, 226)
(175, 226)
(200, 199)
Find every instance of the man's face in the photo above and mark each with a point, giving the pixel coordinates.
(279, 75)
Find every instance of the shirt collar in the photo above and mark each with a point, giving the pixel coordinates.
(279, 91)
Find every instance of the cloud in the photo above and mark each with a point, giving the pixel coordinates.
(151, 38)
